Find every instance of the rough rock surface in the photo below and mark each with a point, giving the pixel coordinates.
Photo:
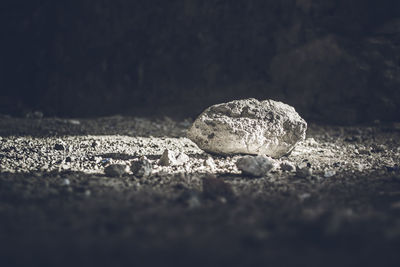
(249, 126)
(255, 166)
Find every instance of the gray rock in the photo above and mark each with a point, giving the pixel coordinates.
(303, 170)
(116, 170)
(170, 158)
(142, 167)
(255, 166)
(248, 126)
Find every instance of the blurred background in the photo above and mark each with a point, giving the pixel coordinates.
(335, 61)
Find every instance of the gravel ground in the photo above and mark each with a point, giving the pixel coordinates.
(58, 207)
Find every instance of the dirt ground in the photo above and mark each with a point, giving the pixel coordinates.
(58, 208)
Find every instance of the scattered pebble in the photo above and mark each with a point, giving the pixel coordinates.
(169, 158)
(116, 170)
(66, 182)
(303, 170)
(141, 167)
(181, 159)
(257, 166)
(329, 173)
(209, 162)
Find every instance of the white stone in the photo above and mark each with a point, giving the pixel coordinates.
(209, 162)
(255, 166)
(248, 126)
(181, 159)
(169, 158)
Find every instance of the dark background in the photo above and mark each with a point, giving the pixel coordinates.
(336, 61)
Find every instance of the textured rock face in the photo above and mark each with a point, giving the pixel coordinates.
(248, 126)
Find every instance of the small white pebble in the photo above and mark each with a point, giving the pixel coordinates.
(209, 162)
(329, 173)
(66, 182)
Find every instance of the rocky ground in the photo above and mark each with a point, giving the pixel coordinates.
(69, 195)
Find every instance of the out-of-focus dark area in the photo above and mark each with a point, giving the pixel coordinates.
(336, 61)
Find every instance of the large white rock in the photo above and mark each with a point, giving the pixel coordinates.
(249, 126)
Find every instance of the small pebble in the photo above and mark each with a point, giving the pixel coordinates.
(329, 173)
(303, 170)
(209, 162)
(116, 170)
(169, 158)
(66, 182)
(142, 167)
(257, 166)
(181, 159)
